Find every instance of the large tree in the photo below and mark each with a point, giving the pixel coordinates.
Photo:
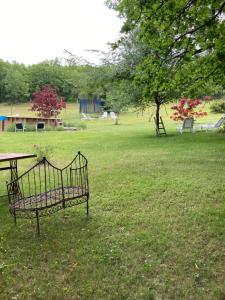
(184, 41)
(4, 67)
(16, 86)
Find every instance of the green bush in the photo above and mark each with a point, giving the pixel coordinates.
(75, 124)
(28, 127)
(11, 128)
(218, 107)
(58, 128)
(48, 128)
(43, 151)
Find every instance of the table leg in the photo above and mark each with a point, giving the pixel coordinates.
(13, 168)
(15, 189)
(13, 173)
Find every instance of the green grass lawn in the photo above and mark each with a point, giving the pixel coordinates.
(157, 216)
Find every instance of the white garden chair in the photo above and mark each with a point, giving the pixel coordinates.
(84, 117)
(113, 116)
(213, 126)
(104, 115)
(40, 126)
(19, 127)
(188, 124)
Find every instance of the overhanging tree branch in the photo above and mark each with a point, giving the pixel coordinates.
(190, 32)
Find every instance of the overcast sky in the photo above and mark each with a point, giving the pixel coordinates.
(34, 30)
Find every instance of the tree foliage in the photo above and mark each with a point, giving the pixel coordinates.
(15, 86)
(183, 42)
(218, 107)
(186, 108)
(47, 103)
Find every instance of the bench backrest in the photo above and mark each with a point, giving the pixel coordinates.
(44, 185)
(19, 126)
(220, 122)
(40, 126)
(188, 123)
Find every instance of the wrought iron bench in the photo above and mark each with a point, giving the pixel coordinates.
(45, 189)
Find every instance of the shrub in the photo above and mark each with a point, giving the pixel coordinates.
(75, 124)
(48, 128)
(28, 127)
(58, 128)
(11, 128)
(218, 106)
(186, 109)
(47, 103)
(43, 151)
(51, 128)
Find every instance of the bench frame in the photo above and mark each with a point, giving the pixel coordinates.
(45, 189)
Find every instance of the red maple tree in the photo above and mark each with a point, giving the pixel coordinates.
(186, 109)
(47, 103)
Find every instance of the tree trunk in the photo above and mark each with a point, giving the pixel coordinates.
(157, 102)
(116, 120)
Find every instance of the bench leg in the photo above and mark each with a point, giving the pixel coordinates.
(38, 225)
(14, 215)
(87, 205)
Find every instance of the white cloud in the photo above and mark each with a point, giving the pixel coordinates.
(35, 30)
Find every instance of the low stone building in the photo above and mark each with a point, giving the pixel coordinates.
(6, 121)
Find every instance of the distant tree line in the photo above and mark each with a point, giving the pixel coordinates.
(18, 82)
(72, 78)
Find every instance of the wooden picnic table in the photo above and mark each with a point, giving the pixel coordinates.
(12, 158)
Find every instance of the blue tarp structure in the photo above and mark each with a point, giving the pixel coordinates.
(91, 106)
(2, 118)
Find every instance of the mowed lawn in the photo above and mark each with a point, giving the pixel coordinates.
(157, 217)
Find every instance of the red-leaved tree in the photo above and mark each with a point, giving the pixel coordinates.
(47, 103)
(186, 109)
